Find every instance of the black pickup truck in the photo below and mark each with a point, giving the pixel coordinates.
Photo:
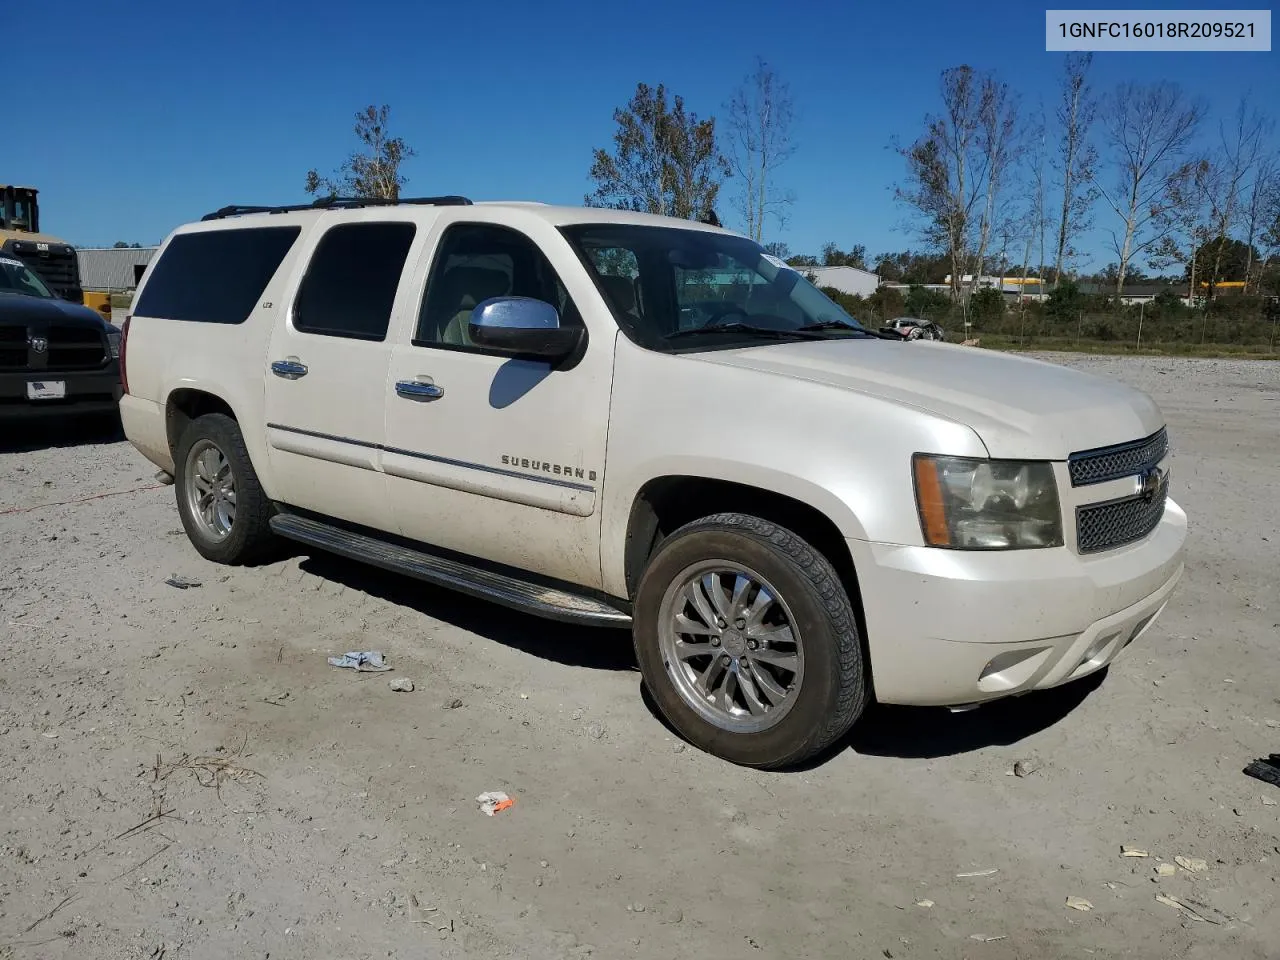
(56, 357)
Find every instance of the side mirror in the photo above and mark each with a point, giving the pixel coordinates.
(522, 326)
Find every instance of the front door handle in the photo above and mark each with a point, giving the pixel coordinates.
(420, 390)
(290, 369)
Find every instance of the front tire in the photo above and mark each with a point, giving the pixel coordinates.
(224, 510)
(747, 641)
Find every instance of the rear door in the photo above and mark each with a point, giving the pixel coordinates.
(327, 369)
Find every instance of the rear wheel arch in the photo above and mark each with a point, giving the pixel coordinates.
(187, 404)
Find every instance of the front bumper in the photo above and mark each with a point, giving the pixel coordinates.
(948, 627)
(88, 391)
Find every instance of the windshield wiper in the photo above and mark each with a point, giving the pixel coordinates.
(841, 325)
(740, 328)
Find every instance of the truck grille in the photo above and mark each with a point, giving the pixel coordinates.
(1122, 460)
(75, 348)
(13, 348)
(69, 348)
(1102, 526)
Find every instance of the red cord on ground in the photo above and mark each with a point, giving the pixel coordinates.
(67, 503)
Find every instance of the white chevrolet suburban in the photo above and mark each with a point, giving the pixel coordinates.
(612, 418)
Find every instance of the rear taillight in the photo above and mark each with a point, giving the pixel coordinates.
(124, 344)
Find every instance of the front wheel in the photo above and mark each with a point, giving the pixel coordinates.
(747, 641)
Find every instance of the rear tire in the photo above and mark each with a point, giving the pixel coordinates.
(224, 510)
(747, 641)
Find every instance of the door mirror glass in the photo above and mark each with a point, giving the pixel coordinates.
(522, 326)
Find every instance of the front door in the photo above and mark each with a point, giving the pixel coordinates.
(327, 368)
(487, 455)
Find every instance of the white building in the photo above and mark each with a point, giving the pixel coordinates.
(848, 280)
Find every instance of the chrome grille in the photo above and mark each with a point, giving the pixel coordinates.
(1122, 460)
(1102, 526)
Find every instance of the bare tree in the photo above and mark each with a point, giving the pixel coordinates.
(1149, 128)
(1263, 199)
(1241, 148)
(950, 188)
(1187, 222)
(373, 173)
(761, 114)
(1000, 148)
(665, 159)
(1076, 156)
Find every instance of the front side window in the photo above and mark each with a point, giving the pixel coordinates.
(476, 262)
(675, 289)
(351, 282)
(16, 277)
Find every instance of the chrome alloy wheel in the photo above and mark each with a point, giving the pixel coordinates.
(730, 646)
(210, 489)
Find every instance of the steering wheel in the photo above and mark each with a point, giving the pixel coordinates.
(720, 316)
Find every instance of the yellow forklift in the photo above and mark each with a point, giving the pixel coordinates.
(53, 260)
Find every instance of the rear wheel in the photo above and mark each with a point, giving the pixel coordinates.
(222, 505)
(747, 641)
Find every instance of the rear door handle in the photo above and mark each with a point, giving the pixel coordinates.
(289, 369)
(420, 390)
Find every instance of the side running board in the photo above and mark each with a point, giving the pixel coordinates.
(542, 601)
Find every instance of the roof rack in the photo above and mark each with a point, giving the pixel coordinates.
(336, 203)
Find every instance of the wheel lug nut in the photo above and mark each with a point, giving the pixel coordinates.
(720, 622)
(740, 624)
(752, 645)
(715, 641)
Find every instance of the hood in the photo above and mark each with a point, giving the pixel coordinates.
(16, 308)
(1020, 408)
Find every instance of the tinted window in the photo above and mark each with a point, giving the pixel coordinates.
(351, 281)
(214, 276)
(673, 288)
(476, 262)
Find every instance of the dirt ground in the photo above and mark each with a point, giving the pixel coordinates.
(183, 776)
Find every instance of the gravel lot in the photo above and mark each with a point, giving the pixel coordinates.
(183, 776)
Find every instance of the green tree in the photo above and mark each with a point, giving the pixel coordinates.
(777, 249)
(1065, 302)
(372, 172)
(926, 304)
(987, 304)
(1223, 259)
(802, 260)
(664, 160)
(833, 256)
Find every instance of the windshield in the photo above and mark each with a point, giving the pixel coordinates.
(16, 278)
(694, 289)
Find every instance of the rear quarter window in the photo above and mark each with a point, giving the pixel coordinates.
(214, 276)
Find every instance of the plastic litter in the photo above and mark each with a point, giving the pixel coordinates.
(365, 661)
(924, 903)
(1193, 864)
(1165, 870)
(493, 802)
(982, 938)
(183, 583)
(1079, 903)
(1133, 852)
(976, 873)
(402, 685)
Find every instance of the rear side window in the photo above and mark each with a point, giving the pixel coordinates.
(214, 276)
(351, 281)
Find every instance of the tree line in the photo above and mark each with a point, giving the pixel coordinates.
(990, 186)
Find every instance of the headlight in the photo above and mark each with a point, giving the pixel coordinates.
(113, 343)
(970, 504)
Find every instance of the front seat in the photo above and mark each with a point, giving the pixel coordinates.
(461, 289)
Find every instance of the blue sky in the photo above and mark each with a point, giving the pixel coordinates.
(147, 114)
